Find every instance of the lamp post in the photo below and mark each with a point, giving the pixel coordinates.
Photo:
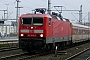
(3, 19)
(17, 13)
(89, 25)
(7, 19)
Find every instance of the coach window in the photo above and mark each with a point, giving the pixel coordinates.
(49, 21)
(83, 31)
(87, 31)
(79, 31)
(75, 31)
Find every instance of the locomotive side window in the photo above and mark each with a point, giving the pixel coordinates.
(49, 21)
(37, 21)
(26, 21)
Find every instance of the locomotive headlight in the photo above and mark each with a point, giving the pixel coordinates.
(41, 35)
(22, 34)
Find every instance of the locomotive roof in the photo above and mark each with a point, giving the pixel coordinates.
(35, 15)
(78, 25)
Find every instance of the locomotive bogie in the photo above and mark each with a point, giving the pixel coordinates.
(31, 43)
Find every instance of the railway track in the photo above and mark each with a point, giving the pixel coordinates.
(12, 57)
(35, 55)
(81, 55)
(23, 56)
(8, 45)
(49, 56)
(64, 54)
(6, 53)
(8, 49)
(88, 58)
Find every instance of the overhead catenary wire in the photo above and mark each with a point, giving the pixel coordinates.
(69, 3)
(10, 4)
(75, 17)
(88, 1)
(5, 2)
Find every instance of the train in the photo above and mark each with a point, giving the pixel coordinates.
(40, 31)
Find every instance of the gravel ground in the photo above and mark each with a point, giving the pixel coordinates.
(70, 52)
(12, 52)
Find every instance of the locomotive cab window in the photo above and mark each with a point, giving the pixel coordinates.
(37, 21)
(32, 21)
(26, 21)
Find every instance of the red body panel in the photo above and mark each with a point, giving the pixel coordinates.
(57, 28)
(61, 29)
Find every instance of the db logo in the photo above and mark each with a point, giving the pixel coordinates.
(31, 31)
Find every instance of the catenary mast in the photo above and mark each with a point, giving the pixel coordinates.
(49, 7)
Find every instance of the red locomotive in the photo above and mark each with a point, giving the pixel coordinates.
(42, 31)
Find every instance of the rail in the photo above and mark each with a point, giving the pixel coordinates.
(4, 43)
(8, 40)
(88, 58)
(77, 54)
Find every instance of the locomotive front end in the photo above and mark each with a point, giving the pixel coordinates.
(31, 33)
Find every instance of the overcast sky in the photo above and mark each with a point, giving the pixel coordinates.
(29, 5)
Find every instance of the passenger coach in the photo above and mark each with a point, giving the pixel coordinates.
(80, 33)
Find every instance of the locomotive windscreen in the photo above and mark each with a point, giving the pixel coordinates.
(37, 21)
(32, 21)
(26, 21)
